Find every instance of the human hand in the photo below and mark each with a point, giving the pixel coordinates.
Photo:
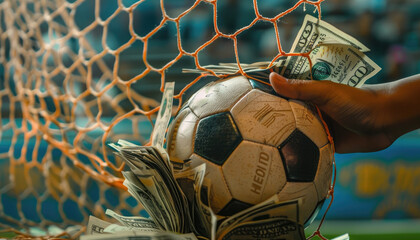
(356, 117)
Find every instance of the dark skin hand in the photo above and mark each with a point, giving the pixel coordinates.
(360, 119)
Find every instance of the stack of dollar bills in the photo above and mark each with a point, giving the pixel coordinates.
(175, 201)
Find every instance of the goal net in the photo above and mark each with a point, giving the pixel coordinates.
(78, 74)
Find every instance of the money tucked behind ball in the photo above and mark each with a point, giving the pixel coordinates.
(255, 144)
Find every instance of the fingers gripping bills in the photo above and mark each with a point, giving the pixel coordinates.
(195, 192)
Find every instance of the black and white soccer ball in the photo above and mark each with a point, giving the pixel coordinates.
(255, 144)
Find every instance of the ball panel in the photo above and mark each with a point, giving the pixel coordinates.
(300, 157)
(219, 191)
(264, 118)
(254, 172)
(323, 177)
(181, 135)
(219, 96)
(192, 90)
(234, 206)
(308, 122)
(216, 137)
(306, 191)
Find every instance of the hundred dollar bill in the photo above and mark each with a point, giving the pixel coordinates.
(164, 115)
(335, 62)
(140, 235)
(313, 31)
(335, 55)
(271, 208)
(134, 222)
(152, 205)
(266, 229)
(96, 225)
(116, 228)
(163, 194)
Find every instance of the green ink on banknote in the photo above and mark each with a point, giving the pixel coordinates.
(321, 71)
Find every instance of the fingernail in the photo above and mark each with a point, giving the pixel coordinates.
(278, 78)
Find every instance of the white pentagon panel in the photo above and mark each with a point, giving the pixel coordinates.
(219, 191)
(219, 96)
(254, 172)
(308, 122)
(306, 191)
(264, 118)
(323, 176)
(180, 141)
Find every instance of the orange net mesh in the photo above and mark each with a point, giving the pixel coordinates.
(76, 75)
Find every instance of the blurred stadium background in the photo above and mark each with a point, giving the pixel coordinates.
(377, 195)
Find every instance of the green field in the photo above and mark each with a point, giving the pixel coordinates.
(388, 236)
(370, 229)
(7, 235)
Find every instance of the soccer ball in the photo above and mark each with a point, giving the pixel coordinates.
(255, 144)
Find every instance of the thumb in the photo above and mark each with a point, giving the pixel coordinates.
(305, 90)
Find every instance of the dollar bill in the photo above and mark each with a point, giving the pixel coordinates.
(96, 226)
(116, 228)
(313, 31)
(162, 193)
(335, 55)
(163, 117)
(334, 62)
(134, 222)
(266, 229)
(150, 203)
(140, 235)
(271, 208)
